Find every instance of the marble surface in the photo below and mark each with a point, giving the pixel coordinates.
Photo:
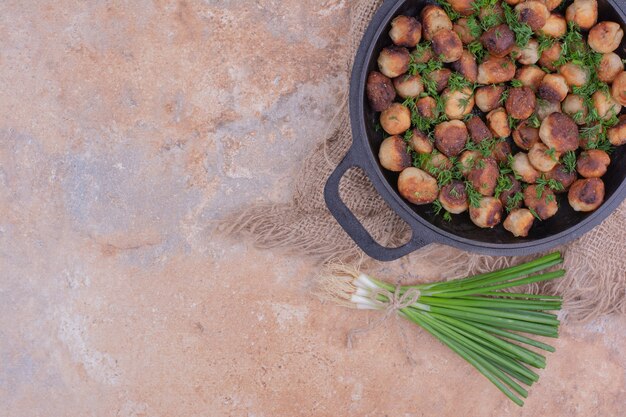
(126, 130)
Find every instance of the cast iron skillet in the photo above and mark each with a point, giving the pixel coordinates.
(428, 228)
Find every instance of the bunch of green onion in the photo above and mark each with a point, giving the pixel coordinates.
(475, 319)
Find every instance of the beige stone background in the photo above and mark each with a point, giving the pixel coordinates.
(126, 128)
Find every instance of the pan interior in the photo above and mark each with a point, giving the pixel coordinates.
(461, 225)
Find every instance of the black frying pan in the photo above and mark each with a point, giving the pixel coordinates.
(427, 227)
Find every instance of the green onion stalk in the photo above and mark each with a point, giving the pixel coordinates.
(489, 328)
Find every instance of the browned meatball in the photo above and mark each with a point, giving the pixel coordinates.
(467, 160)
(560, 132)
(405, 31)
(560, 174)
(393, 155)
(506, 196)
(467, 66)
(575, 75)
(440, 161)
(590, 139)
(521, 102)
(574, 106)
(530, 76)
(441, 77)
(427, 107)
(583, 12)
(461, 27)
(434, 19)
(380, 91)
(617, 134)
(541, 200)
(593, 163)
(527, 55)
(408, 85)
(496, 70)
(498, 122)
(478, 130)
(555, 27)
(423, 54)
(525, 136)
(488, 98)
(552, 4)
(463, 7)
(484, 176)
(498, 40)
(534, 13)
(451, 137)
(453, 197)
(618, 89)
(447, 45)
(519, 222)
(610, 66)
(549, 55)
(393, 61)
(605, 104)
(501, 151)
(605, 37)
(586, 195)
(458, 103)
(553, 87)
(396, 119)
(542, 158)
(420, 142)
(417, 186)
(523, 169)
(545, 108)
(488, 214)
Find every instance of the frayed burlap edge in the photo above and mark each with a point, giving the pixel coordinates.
(594, 285)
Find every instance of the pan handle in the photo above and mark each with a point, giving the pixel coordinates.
(353, 226)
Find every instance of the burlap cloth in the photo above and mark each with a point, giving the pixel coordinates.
(596, 263)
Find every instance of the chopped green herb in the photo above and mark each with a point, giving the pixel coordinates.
(517, 83)
(569, 161)
(513, 201)
(476, 48)
(438, 208)
(533, 121)
(490, 19)
(504, 96)
(552, 154)
(408, 135)
(458, 82)
(474, 196)
(578, 116)
(504, 184)
(545, 42)
(452, 14)
(478, 5)
(551, 183)
(474, 27)
(522, 31)
(534, 213)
